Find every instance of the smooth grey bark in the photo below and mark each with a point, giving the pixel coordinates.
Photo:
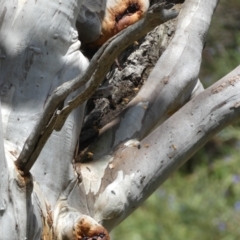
(62, 199)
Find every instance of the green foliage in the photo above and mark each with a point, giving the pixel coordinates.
(222, 50)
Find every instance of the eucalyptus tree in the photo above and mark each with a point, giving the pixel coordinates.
(46, 192)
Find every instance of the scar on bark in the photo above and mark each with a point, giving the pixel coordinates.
(120, 17)
(85, 230)
(230, 82)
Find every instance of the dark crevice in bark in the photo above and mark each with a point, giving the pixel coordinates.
(132, 8)
(123, 82)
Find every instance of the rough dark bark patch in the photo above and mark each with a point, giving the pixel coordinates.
(124, 80)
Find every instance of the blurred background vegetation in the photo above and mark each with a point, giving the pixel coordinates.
(202, 199)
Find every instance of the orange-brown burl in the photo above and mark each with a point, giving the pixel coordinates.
(119, 14)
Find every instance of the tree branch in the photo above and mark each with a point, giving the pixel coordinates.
(4, 170)
(156, 15)
(136, 168)
(169, 85)
(96, 72)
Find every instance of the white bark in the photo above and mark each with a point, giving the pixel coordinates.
(39, 51)
(48, 53)
(3, 177)
(136, 168)
(115, 175)
(169, 85)
(135, 153)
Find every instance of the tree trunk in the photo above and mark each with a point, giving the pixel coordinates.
(39, 47)
(44, 81)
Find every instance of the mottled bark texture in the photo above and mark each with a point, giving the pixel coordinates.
(154, 115)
